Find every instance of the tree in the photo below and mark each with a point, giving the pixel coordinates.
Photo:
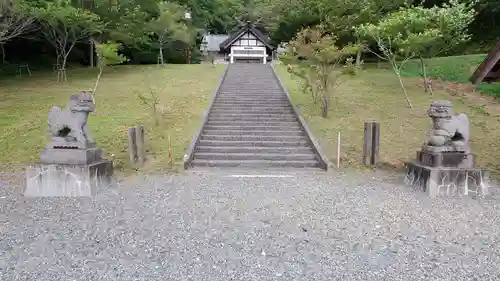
(216, 17)
(168, 26)
(386, 38)
(107, 54)
(124, 23)
(14, 21)
(448, 25)
(418, 32)
(63, 26)
(315, 57)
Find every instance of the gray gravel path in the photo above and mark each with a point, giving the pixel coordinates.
(212, 227)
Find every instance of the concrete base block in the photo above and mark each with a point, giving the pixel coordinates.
(446, 181)
(67, 180)
(446, 159)
(70, 156)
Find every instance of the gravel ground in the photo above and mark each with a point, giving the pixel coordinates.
(211, 227)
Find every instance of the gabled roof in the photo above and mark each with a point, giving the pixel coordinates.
(247, 28)
(489, 69)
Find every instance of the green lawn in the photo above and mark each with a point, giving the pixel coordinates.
(455, 69)
(25, 102)
(376, 94)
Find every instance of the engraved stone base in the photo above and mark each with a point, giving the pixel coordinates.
(447, 181)
(69, 143)
(70, 156)
(446, 159)
(67, 180)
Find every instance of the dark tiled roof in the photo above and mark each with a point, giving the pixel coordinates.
(247, 28)
(489, 69)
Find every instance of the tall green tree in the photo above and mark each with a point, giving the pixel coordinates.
(316, 58)
(170, 26)
(418, 32)
(14, 20)
(125, 20)
(64, 26)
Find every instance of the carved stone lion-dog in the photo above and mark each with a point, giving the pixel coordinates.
(450, 132)
(68, 127)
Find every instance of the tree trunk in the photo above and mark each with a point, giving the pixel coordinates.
(325, 105)
(358, 59)
(404, 89)
(161, 57)
(326, 97)
(358, 54)
(424, 74)
(97, 81)
(3, 53)
(91, 52)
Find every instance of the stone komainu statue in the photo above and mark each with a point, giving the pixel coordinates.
(68, 127)
(450, 132)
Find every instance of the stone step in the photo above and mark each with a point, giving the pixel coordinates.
(253, 113)
(251, 106)
(251, 97)
(255, 163)
(249, 92)
(251, 102)
(250, 110)
(253, 138)
(260, 143)
(254, 149)
(264, 95)
(247, 100)
(260, 84)
(254, 127)
(251, 123)
(254, 133)
(254, 156)
(252, 118)
(237, 98)
(252, 92)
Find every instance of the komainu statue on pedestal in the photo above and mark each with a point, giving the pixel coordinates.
(68, 127)
(450, 132)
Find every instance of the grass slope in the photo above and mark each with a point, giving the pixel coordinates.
(26, 101)
(375, 94)
(455, 68)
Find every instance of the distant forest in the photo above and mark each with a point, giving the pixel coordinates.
(44, 33)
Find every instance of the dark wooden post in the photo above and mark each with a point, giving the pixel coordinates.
(371, 143)
(367, 146)
(139, 141)
(375, 142)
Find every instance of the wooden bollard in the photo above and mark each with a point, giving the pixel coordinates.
(371, 143)
(139, 141)
(132, 148)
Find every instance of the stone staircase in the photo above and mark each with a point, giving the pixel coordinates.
(252, 124)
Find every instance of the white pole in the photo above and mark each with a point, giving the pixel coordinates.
(338, 150)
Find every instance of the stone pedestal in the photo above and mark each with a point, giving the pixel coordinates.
(68, 156)
(446, 159)
(67, 180)
(447, 181)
